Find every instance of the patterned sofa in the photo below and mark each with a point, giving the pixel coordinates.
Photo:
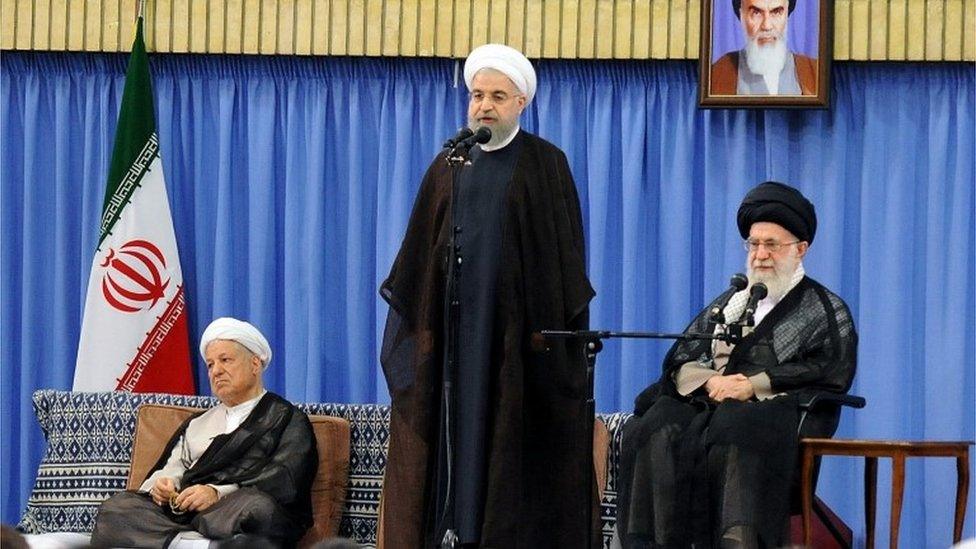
(89, 448)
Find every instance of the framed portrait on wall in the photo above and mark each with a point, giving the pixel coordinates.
(765, 53)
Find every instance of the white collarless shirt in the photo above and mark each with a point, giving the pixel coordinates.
(219, 420)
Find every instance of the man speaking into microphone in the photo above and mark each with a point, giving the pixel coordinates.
(711, 458)
(488, 433)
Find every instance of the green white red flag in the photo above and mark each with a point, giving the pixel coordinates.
(134, 334)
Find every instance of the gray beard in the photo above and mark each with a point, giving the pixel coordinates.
(499, 131)
(766, 60)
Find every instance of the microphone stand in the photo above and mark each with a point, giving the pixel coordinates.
(459, 153)
(729, 336)
(457, 158)
(591, 344)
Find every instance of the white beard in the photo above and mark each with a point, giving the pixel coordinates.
(766, 60)
(777, 282)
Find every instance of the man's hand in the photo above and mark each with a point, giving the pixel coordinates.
(196, 498)
(163, 489)
(735, 386)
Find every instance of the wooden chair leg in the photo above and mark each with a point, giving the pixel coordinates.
(806, 494)
(870, 497)
(897, 495)
(818, 508)
(962, 494)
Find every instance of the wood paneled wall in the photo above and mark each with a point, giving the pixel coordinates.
(882, 30)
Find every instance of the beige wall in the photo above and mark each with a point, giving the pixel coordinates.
(933, 30)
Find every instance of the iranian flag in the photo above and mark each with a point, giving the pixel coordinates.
(134, 334)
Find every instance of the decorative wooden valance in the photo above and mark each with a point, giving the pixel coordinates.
(864, 30)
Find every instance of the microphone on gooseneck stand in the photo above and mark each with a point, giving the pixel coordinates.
(463, 133)
(483, 135)
(736, 284)
(457, 154)
(756, 294)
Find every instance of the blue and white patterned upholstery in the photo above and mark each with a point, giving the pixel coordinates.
(608, 507)
(89, 448)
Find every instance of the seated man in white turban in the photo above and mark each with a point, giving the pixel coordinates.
(240, 470)
(489, 449)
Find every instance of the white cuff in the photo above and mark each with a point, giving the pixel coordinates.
(224, 489)
(762, 386)
(692, 375)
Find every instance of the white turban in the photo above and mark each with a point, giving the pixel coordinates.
(508, 61)
(237, 330)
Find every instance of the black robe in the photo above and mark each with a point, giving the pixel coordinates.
(536, 425)
(272, 450)
(478, 215)
(692, 469)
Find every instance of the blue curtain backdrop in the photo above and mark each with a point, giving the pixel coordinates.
(291, 179)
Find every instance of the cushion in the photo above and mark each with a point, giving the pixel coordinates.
(157, 422)
(155, 425)
(369, 437)
(601, 451)
(329, 486)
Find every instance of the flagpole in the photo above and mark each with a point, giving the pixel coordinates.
(135, 329)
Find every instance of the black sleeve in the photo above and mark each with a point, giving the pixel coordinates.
(829, 358)
(288, 475)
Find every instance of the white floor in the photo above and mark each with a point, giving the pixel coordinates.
(73, 540)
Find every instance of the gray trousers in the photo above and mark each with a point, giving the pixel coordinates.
(131, 519)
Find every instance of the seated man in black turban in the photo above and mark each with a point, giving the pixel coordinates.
(711, 459)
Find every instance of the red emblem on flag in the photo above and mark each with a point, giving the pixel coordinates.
(133, 276)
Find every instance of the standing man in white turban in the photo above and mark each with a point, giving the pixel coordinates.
(242, 468)
(489, 449)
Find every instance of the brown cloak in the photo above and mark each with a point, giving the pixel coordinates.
(538, 458)
(724, 77)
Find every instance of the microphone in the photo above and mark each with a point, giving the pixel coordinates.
(458, 153)
(737, 283)
(463, 133)
(756, 294)
(482, 135)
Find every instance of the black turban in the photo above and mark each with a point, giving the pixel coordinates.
(780, 204)
(737, 5)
